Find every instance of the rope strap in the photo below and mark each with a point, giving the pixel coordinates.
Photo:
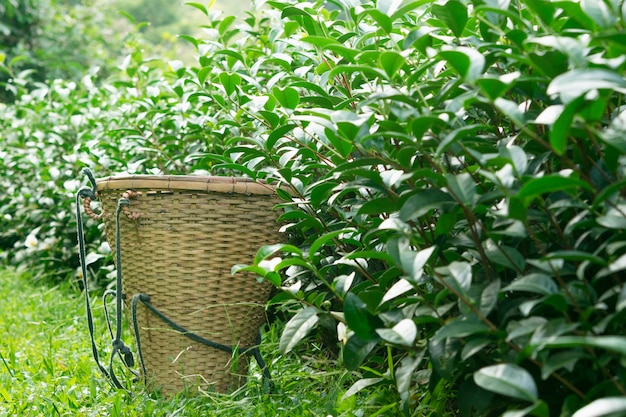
(145, 300)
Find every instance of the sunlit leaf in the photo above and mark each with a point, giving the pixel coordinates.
(360, 385)
(578, 82)
(609, 406)
(298, 328)
(509, 380)
(535, 282)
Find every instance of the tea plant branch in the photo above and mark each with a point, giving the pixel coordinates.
(472, 221)
(562, 283)
(469, 304)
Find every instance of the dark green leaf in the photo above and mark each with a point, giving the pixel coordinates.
(505, 256)
(548, 184)
(489, 297)
(277, 134)
(360, 319)
(460, 329)
(324, 239)
(464, 188)
(356, 350)
(444, 356)
(423, 201)
(474, 346)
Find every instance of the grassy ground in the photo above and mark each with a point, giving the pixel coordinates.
(46, 369)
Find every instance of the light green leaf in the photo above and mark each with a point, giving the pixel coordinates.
(599, 12)
(402, 286)
(321, 41)
(509, 380)
(288, 97)
(535, 283)
(230, 81)
(198, 6)
(268, 250)
(391, 62)
(298, 328)
(489, 297)
(360, 385)
(468, 62)
(404, 373)
(464, 188)
(388, 7)
(578, 82)
(403, 333)
(603, 407)
(453, 14)
(611, 343)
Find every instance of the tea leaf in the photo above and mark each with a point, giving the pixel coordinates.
(298, 328)
(509, 380)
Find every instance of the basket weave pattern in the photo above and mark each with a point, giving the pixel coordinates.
(187, 235)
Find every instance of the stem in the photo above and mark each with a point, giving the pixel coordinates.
(469, 304)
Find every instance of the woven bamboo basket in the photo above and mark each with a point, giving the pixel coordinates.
(180, 239)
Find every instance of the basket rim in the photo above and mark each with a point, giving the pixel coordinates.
(204, 183)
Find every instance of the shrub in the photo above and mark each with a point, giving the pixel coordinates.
(457, 169)
(50, 39)
(459, 176)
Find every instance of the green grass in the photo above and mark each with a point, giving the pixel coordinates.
(46, 369)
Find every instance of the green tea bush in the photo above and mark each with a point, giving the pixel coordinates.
(456, 210)
(52, 39)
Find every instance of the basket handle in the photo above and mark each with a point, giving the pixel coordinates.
(119, 347)
(128, 194)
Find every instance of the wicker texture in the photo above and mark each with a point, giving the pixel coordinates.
(178, 246)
